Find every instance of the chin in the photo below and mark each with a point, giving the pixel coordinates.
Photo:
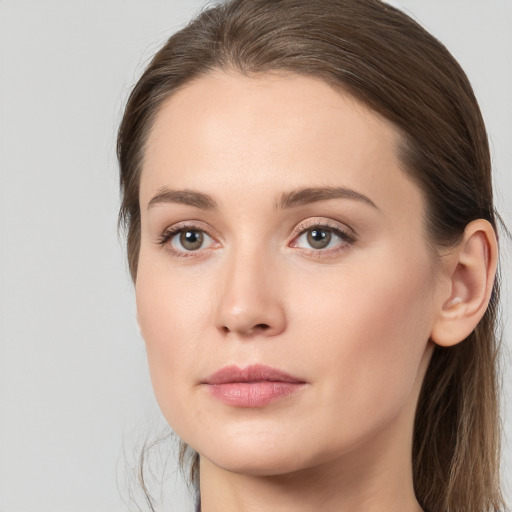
(256, 462)
(259, 454)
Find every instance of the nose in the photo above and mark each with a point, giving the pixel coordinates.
(249, 300)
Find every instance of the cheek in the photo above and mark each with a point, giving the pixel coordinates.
(373, 326)
(172, 321)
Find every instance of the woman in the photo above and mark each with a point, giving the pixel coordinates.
(311, 233)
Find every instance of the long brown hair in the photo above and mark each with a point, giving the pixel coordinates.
(390, 63)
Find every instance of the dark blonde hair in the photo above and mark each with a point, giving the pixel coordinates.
(390, 63)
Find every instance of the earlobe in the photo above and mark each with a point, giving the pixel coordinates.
(471, 269)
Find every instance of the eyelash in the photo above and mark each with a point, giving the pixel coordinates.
(171, 232)
(348, 237)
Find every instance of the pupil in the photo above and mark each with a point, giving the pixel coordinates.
(319, 238)
(191, 240)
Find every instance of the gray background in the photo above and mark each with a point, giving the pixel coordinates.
(75, 396)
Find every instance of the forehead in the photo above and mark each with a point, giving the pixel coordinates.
(226, 132)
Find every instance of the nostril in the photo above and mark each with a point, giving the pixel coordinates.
(255, 328)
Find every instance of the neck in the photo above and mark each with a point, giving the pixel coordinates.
(376, 477)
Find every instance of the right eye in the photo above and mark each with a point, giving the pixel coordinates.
(190, 240)
(183, 240)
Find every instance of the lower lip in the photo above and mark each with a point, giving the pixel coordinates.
(253, 394)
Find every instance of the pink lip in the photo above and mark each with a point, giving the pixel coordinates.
(254, 386)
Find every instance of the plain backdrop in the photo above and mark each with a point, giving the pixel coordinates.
(75, 396)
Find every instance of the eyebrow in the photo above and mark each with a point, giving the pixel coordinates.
(309, 195)
(286, 200)
(187, 197)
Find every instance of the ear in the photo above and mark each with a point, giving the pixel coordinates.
(470, 269)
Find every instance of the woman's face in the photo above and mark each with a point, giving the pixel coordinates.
(278, 229)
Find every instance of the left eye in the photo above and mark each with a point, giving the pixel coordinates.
(319, 237)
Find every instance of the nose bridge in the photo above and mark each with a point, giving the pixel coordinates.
(249, 299)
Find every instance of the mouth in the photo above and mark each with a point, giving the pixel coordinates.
(254, 386)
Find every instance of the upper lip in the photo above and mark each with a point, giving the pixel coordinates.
(252, 373)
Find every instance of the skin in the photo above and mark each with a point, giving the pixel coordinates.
(353, 320)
